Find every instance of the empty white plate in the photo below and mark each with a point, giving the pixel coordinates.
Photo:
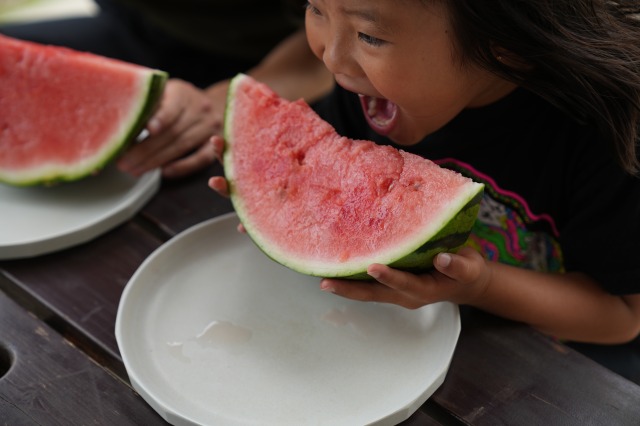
(213, 332)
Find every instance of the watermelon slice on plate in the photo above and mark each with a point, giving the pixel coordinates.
(329, 206)
(65, 114)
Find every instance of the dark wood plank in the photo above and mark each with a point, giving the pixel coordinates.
(430, 414)
(78, 290)
(46, 380)
(183, 203)
(505, 373)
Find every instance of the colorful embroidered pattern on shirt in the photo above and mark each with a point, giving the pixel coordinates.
(504, 229)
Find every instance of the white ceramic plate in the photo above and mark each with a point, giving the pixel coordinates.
(38, 220)
(212, 332)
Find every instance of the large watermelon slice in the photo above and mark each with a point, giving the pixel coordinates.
(65, 114)
(329, 206)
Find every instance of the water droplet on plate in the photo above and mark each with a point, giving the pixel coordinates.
(223, 333)
(216, 335)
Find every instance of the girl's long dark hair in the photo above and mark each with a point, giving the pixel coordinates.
(581, 55)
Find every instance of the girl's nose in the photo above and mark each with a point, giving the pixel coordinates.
(336, 55)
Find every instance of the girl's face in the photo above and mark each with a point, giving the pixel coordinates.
(399, 57)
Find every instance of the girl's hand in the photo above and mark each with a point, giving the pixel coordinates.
(459, 278)
(179, 132)
(218, 183)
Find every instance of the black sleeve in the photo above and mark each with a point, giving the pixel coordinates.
(601, 231)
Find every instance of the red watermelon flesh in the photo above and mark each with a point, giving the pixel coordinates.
(327, 205)
(65, 114)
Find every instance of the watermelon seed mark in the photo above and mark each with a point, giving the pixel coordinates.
(299, 157)
(386, 186)
(414, 184)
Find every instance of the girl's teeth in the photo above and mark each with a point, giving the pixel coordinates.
(372, 109)
(380, 113)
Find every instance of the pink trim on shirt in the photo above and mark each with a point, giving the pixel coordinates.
(510, 194)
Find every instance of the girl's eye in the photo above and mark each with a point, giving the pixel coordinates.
(373, 41)
(311, 8)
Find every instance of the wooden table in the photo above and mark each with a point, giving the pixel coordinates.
(60, 365)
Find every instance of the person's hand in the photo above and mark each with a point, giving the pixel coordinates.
(179, 131)
(460, 278)
(218, 183)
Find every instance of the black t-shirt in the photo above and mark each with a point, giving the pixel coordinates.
(555, 199)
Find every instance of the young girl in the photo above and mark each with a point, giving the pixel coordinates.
(538, 100)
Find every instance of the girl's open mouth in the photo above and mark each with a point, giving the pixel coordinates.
(381, 114)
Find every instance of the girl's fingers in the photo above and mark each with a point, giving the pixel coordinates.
(219, 184)
(365, 291)
(382, 291)
(410, 290)
(466, 266)
(468, 270)
(218, 146)
(393, 278)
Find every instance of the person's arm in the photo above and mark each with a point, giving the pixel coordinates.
(570, 306)
(180, 129)
(293, 71)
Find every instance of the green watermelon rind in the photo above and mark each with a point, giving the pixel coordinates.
(156, 80)
(450, 238)
(416, 255)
